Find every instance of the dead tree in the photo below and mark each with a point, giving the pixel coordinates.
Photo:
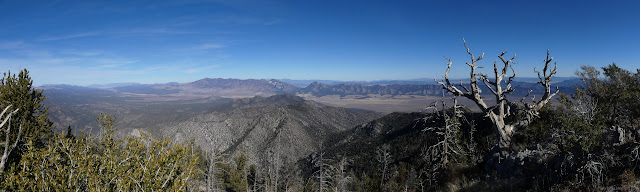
(447, 144)
(8, 145)
(499, 112)
(324, 172)
(213, 182)
(274, 165)
(340, 177)
(437, 156)
(384, 158)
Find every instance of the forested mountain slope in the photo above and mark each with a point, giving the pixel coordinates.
(283, 124)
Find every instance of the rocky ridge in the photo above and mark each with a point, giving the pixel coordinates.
(260, 126)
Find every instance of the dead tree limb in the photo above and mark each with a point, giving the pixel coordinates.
(498, 112)
(8, 147)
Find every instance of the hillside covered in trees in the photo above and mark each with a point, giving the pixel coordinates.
(589, 141)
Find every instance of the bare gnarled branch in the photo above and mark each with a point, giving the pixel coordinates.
(498, 112)
(8, 147)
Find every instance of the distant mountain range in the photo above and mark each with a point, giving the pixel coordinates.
(235, 88)
(421, 81)
(109, 85)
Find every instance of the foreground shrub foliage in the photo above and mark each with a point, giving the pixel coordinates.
(27, 119)
(104, 164)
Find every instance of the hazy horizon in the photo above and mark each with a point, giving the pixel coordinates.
(85, 43)
(309, 80)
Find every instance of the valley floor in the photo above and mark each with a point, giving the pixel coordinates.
(385, 104)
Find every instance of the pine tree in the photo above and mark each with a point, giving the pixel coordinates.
(105, 164)
(31, 115)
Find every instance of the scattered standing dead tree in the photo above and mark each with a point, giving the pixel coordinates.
(501, 110)
(8, 146)
(212, 181)
(324, 172)
(384, 158)
(446, 148)
(447, 145)
(341, 178)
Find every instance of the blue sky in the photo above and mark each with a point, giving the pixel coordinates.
(94, 42)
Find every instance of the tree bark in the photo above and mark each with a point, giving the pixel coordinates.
(498, 113)
(8, 147)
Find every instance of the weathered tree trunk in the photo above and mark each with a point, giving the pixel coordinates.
(503, 131)
(498, 113)
(8, 146)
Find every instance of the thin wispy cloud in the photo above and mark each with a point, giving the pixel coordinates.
(112, 63)
(210, 46)
(202, 69)
(208, 50)
(115, 61)
(57, 60)
(70, 70)
(60, 60)
(70, 36)
(47, 64)
(241, 20)
(34, 53)
(183, 21)
(85, 53)
(80, 75)
(153, 31)
(11, 45)
(234, 20)
(134, 31)
(14, 64)
(253, 5)
(143, 31)
(272, 22)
